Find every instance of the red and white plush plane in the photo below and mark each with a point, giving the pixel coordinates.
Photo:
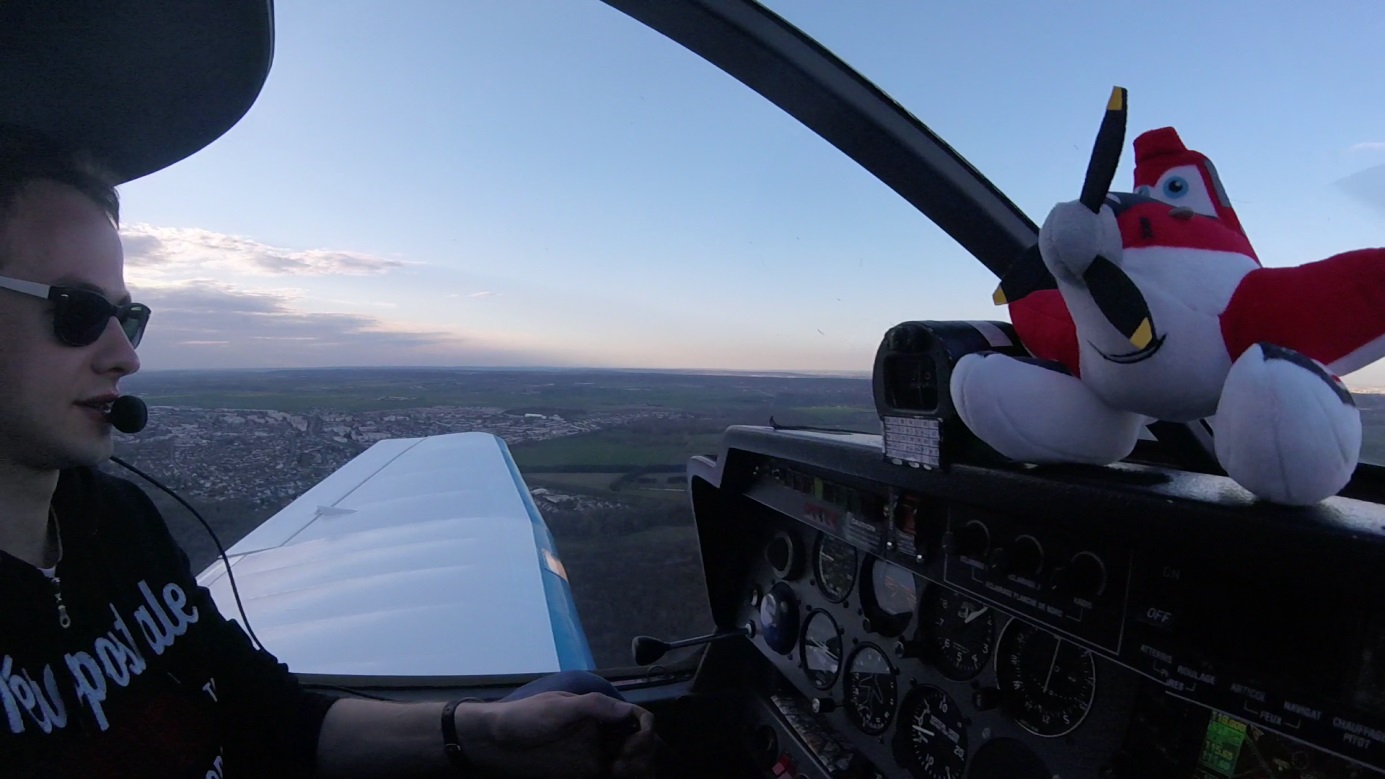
(1256, 348)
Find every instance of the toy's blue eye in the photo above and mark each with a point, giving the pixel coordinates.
(1175, 187)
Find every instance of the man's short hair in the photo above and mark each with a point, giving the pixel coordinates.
(27, 156)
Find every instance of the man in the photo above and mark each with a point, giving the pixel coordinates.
(113, 662)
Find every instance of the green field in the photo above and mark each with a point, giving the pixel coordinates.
(584, 483)
(636, 466)
(622, 447)
(291, 403)
(846, 417)
(568, 392)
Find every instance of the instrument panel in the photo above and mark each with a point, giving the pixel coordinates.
(947, 638)
(919, 672)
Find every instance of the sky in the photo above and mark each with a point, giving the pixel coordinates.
(545, 183)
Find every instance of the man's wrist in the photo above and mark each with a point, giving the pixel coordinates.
(463, 726)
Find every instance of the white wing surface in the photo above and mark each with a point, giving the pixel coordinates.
(422, 556)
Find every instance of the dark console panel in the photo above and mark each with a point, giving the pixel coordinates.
(1125, 622)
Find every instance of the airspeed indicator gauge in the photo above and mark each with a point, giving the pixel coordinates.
(834, 565)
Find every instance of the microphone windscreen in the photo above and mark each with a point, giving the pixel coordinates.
(128, 414)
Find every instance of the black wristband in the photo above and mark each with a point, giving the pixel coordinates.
(450, 743)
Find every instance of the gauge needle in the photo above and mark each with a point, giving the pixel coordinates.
(925, 731)
(968, 619)
(1058, 645)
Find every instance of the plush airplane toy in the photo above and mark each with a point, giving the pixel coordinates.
(1153, 305)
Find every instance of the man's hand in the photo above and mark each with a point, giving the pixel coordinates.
(558, 734)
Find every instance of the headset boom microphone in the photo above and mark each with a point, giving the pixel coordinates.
(128, 414)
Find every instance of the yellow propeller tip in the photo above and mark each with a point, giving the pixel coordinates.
(998, 297)
(1117, 101)
(1142, 335)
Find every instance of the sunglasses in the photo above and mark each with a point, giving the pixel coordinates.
(81, 315)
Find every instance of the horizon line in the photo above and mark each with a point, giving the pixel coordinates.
(1373, 389)
(550, 368)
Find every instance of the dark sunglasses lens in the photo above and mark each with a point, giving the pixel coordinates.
(81, 317)
(132, 321)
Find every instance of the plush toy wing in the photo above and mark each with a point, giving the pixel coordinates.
(1046, 328)
(1037, 310)
(1330, 310)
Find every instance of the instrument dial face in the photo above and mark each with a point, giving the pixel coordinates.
(871, 693)
(834, 565)
(822, 650)
(957, 632)
(1048, 683)
(932, 737)
(890, 598)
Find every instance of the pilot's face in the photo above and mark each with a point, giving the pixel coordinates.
(48, 390)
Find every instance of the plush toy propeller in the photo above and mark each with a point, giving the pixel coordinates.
(1153, 305)
(1115, 294)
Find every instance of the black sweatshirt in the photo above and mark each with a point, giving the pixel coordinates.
(148, 679)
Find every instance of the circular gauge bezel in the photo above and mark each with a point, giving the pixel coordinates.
(882, 622)
(852, 710)
(825, 538)
(1011, 686)
(950, 747)
(936, 637)
(792, 565)
(803, 651)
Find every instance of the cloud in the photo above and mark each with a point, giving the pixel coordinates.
(211, 324)
(1368, 146)
(1366, 187)
(174, 249)
(483, 294)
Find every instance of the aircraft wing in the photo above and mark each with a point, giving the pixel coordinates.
(420, 557)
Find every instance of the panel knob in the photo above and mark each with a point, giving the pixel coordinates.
(1026, 557)
(1083, 577)
(973, 541)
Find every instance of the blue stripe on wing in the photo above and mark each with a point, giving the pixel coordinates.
(569, 639)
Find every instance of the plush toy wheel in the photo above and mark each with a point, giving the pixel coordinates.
(1285, 429)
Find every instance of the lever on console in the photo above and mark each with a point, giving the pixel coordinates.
(648, 649)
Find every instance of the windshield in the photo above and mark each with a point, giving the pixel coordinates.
(552, 224)
(1253, 90)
